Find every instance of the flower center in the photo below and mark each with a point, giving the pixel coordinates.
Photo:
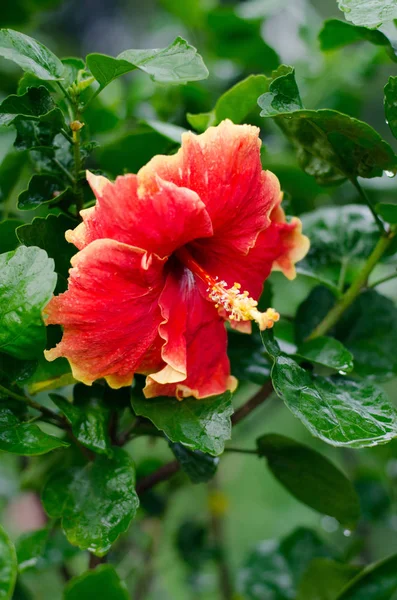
(238, 305)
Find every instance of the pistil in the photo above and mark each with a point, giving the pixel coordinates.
(238, 305)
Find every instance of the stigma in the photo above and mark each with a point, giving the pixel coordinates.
(239, 305)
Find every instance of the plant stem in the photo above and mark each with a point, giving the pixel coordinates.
(241, 450)
(96, 560)
(368, 202)
(162, 474)
(383, 280)
(351, 294)
(33, 404)
(255, 401)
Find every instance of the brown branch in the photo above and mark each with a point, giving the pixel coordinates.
(96, 560)
(253, 403)
(162, 474)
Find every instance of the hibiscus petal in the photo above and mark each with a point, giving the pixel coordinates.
(110, 314)
(195, 344)
(159, 222)
(223, 166)
(279, 247)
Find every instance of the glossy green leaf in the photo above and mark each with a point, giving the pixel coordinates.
(274, 568)
(178, 63)
(340, 242)
(103, 582)
(30, 547)
(390, 102)
(324, 579)
(27, 280)
(171, 132)
(96, 502)
(49, 234)
(36, 104)
(310, 477)
(88, 416)
(200, 467)
(8, 237)
(42, 189)
(30, 55)
(24, 438)
(330, 145)
(369, 14)
(376, 582)
(312, 311)
(8, 566)
(328, 352)
(203, 425)
(340, 411)
(16, 371)
(336, 34)
(388, 212)
(235, 104)
(50, 375)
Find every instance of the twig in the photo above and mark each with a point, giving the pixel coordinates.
(162, 474)
(255, 401)
(35, 405)
(241, 450)
(96, 560)
(368, 202)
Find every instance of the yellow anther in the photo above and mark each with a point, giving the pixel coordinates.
(240, 306)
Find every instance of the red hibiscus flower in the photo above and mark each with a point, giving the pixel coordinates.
(165, 257)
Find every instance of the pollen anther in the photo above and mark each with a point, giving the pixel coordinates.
(239, 305)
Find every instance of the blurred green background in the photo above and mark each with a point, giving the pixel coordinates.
(170, 546)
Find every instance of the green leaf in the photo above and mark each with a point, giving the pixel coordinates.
(103, 582)
(339, 411)
(369, 14)
(27, 280)
(388, 212)
(177, 63)
(73, 66)
(30, 55)
(200, 467)
(330, 145)
(8, 566)
(96, 502)
(171, 132)
(50, 375)
(274, 568)
(49, 234)
(88, 416)
(376, 582)
(336, 34)
(235, 104)
(199, 425)
(390, 102)
(369, 330)
(10, 171)
(324, 579)
(15, 371)
(311, 478)
(340, 242)
(328, 352)
(24, 438)
(8, 237)
(36, 104)
(42, 189)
